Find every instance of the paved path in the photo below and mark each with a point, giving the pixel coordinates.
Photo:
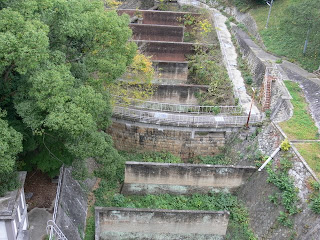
(38, 218)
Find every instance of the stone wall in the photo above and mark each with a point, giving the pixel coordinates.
(158, 17)
(158, 178)
(250, 51)
(157, 32)
(171, 72)
(126, 223)
(183, 142)
(255, 194)
(72, 205)
(166, 51)
(178, 94)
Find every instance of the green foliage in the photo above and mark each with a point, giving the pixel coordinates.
(219, 159)
(315, 203)
(287, 33)
(206, 69)
(285, 145)
(56, 58)
(301, 125)
(160, 157)
(284, 219)
(315, 197)
(90, 227)
(288, 196)
(10, 146)
(213, 202)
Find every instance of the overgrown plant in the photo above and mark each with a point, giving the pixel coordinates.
(288, 196)
(205, 68)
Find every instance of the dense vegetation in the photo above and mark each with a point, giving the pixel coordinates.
(286, 33)
(55, 58)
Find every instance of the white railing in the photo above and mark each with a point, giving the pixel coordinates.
(182, 119)
(179, 108)
(53, 230)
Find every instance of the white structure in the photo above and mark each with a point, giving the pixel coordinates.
(13, 214)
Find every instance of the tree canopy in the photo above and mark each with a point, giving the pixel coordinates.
(55, 58)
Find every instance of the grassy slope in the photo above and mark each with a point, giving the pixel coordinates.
(311, 153)
(279, 42)
(301, 126)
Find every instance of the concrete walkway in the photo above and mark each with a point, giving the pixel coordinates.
(229, 54)
(38, 218)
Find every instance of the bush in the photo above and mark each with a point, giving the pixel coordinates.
(285, 145)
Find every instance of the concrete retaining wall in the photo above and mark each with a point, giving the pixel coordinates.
(171, 72)
(157, 32)
(166, 51)
(183, 142)
(156, 178)
(250, 51)
(126, 223)
(158, 17)
(178, 94)
(72, 206)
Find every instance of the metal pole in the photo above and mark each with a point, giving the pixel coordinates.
(306, 42)
(270, 4)
(247, 125)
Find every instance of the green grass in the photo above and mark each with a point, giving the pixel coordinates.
(107, 196)
(282, 43)
(301, 126)
(311, 153)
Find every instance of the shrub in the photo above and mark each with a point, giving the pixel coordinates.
(285, 145)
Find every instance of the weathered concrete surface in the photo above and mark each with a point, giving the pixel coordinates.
(158, 17)
(38, 218)
(184, 143)
(72, 208)
(255, 194)
(156, 224)
(166, 51)
(158, 178)
(181, 94)
(229, 55)
(173, 73)
(154, 32)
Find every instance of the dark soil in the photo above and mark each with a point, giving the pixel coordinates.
(44, 191)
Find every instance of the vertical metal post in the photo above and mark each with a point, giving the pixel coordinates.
(270, 4)
(247, 125)
(306, 42)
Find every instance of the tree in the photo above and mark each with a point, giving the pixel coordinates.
(55, 58)
(10, 146)
(303, 20)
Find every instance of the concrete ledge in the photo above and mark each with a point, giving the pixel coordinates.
(178, 94)
(157, 178)
(155, 32)
(166, 51)
(126, 223)
(174, 71)
(158, 17)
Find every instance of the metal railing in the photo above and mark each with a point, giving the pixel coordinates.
(53, 230)
(179, 108)
(182, 119)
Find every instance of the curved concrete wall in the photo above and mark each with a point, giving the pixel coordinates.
(178, 94)
(158, 178)
(126, 223)
(154, 32)
(183, 142)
